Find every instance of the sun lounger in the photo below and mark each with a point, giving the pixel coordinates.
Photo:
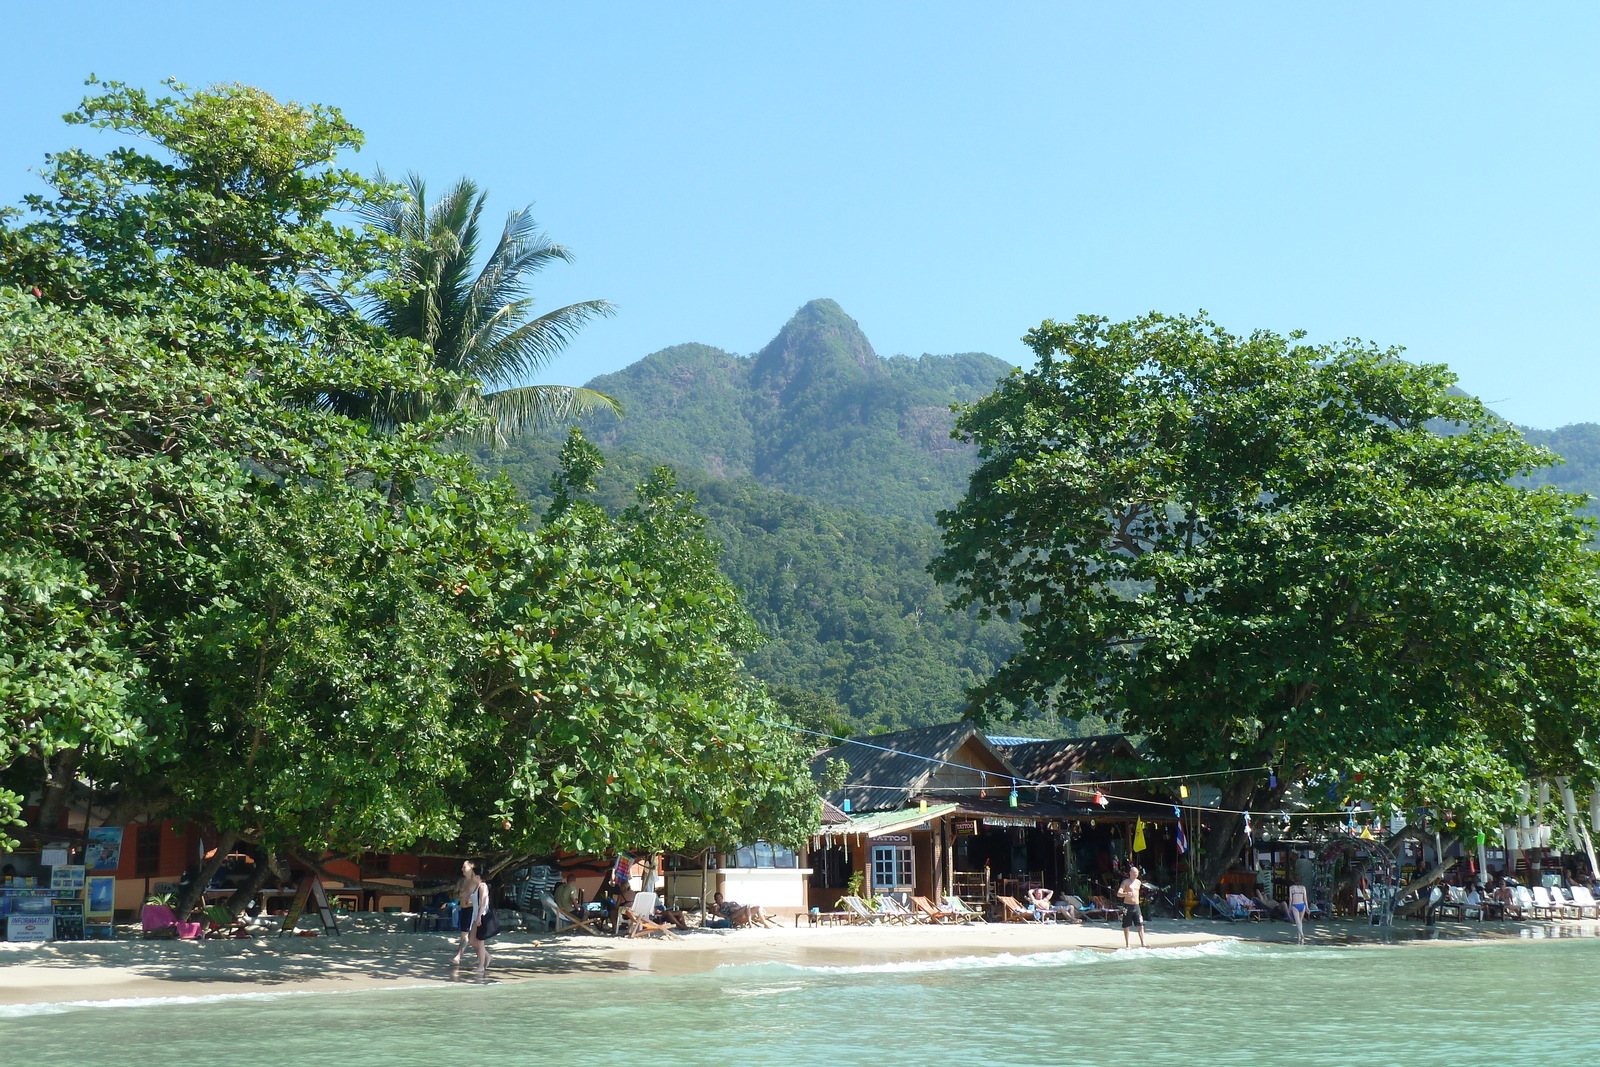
(860, 913)
(1246, 907)
(1223, 909)
(960, 907)
(1584, 900)
(1012, 911)
(1560, 906)
(572, 921)
(934, 914)
(1542, 902)
(637, 916)
(1523, 902)
(1090, 911)
(894, 911)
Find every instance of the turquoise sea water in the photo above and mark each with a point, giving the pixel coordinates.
(1414, 1004)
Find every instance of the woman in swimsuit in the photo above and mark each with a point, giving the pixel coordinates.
(472, 898)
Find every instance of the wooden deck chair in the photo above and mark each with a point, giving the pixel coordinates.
(957, 906)
(892, 910)
(1107, 909)
(572, 921)
(637, 916)
(1012, 911)
(934, 914)
(1584, 900)
(859, 913)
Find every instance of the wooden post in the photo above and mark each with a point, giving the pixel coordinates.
(705, 869)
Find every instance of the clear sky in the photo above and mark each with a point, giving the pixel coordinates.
(1418, 175)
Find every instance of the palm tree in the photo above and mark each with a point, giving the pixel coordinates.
(478, 324)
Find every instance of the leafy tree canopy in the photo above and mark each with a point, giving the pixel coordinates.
(1255, 552)
(230, 600)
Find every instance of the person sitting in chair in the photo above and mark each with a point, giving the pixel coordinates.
(739, 914)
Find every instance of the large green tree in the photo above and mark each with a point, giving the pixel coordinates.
(230, 600)
(1255, 552)
(476, 319)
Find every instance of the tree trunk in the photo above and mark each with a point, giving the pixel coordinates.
(266, 866)
(60, 775)
(189, 897)
(1224, 837)
(1421, 881)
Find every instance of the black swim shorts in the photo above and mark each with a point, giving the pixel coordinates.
(1132, 916)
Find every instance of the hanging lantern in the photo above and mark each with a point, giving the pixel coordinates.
(1272, 780)
(1100, 798)
(1594, 810)
(922, 805)
(1011, 801)
(845, 807)
(1544, 794)
(1183, 794)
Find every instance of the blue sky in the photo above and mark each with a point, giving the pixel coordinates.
(1418, 175)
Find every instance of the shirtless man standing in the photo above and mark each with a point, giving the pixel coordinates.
(1131, 915)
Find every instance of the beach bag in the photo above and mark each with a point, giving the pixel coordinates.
(488, 926)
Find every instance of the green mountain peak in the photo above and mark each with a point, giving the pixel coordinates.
(819, 344)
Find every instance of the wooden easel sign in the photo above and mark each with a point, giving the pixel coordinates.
(308, 885)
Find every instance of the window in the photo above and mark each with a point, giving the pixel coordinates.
(891, 867)
(763, 854)
(147, 850)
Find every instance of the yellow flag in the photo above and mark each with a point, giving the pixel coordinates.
(1138, 835)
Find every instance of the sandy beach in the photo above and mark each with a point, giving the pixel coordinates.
(133, 969)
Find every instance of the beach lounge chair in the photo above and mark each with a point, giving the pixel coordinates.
(1584, 900)
(1560, 907)
(1223, 909)
(637, 916)
(1543, 903)
(960, 907)
(1012, 911)
(1090, 911)
(859, 913)
(566, 920)
(1523, 903)
(1247, 907)
(893, 910)
(934, 914)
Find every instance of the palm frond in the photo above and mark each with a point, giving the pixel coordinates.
(506, 350)
(513, 411)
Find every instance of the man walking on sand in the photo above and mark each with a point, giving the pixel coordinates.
(1131, 915)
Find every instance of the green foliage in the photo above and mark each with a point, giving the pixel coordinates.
(851, 616)
(476, 321)
(1258, 553)
(235, 599)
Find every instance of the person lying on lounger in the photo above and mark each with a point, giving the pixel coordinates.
(739, 914)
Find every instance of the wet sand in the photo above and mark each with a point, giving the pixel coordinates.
(132, 969)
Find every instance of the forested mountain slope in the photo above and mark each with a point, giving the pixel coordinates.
(818, 466)
(816, 412)
(851, 613)
(1579, 445)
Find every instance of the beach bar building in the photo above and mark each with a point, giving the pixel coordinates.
(950, 810)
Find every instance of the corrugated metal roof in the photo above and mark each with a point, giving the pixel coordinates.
(887, 822)
(885, 769)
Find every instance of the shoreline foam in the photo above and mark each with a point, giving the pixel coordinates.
(75, 975)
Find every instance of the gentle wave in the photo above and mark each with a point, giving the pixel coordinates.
(1060, 958)
(56, 1007)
